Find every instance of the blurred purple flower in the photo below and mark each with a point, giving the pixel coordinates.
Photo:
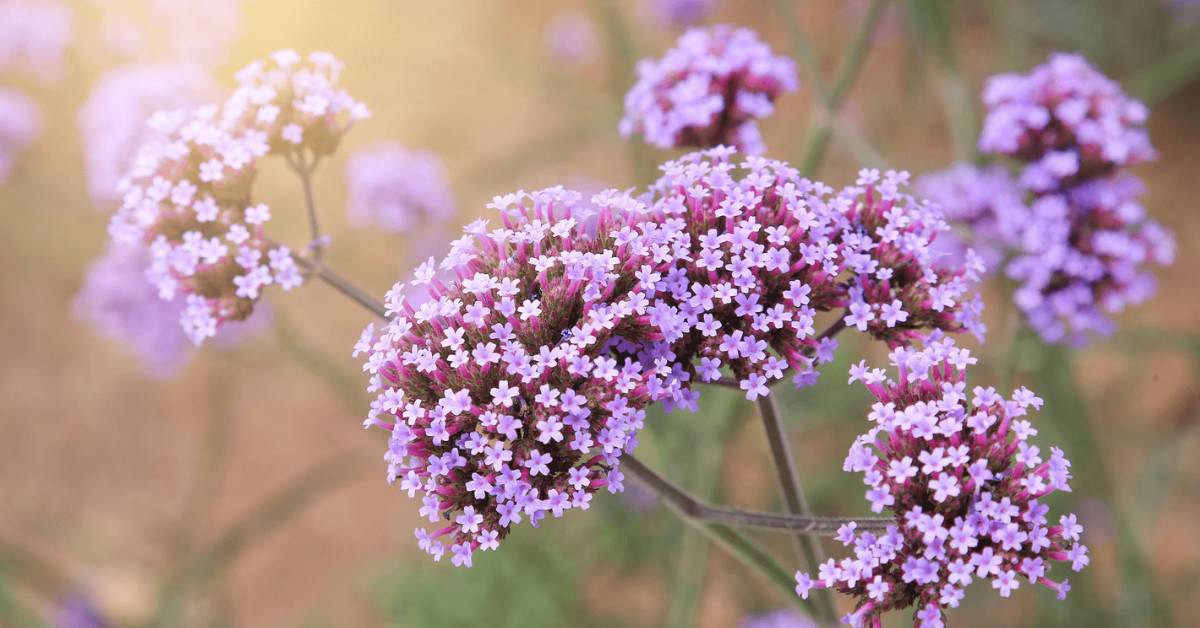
(118, 303)
(707, 91)
(570, 39)
(34, 35)
(787, 618)
(396, 189)
(78, 611)
(681, 13)
(113, 120)
(1084, 243)
(20, 124)
(984, 207)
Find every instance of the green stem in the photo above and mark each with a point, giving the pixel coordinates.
(819, 134)
(1166, 76)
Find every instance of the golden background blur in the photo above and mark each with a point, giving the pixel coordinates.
(109, 477)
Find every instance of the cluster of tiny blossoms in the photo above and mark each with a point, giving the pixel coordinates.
(513, 390)
(707, 91)
(20, 124)
(1086, 240)
(189, 193)
(984, 206)
(966, 484)
(772, 250)
(34, 35)
(396, 189)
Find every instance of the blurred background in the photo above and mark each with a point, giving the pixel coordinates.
(239, 490)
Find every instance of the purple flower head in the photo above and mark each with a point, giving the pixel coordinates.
(397, 189)
(984, 207)
(513, 391)
(1083, 256)
(188, 196)
(113, 119)
(1066, 120)
(1084, 242)
(20, 124)
(118, 302)
(771, 251)
(707, 91)
(971, 509)
(34, 35)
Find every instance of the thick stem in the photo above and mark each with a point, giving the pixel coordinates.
(692, 507)
(793, 493)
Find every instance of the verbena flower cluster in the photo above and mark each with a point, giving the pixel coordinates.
(771, 250)
(966, 484)
(396, 189)
(984, 206)
(1086, 240)
(117, 301)
(681, 12)
(512, 390)
(20, 124)
(112, 121)
(570, 39)
(34, 35)
(708, 90)
(189, 194)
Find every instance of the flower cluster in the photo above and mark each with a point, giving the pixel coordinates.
(681, 12)
(113, 119)
(34, 35)
(513, 390)
(707, 91)
(118, 302)
(189, 194)
(966, 485)
(570, 39)
(773, 250)
(1085, 239)
(1066, 120)
(396, 189)
(984, 206)
(20, 124)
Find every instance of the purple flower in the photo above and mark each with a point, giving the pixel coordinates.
(34, 35)
(1083, 242)
(397, 189)
(672, 13)
(790, 250)
(20, 124)
(543, 403)
(188, 195)
(953, 524)
(707, 91)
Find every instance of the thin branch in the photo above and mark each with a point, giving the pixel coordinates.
(692, 507)
(343, 285)
(785, 471)
(304, 171)
(818, 137)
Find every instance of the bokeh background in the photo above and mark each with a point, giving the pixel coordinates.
(241, 490)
